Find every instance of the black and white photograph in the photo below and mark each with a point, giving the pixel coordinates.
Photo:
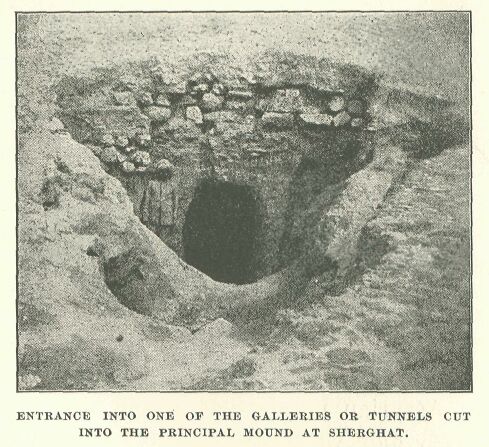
(244, 201)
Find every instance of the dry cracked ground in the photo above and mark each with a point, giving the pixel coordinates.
(379, 301)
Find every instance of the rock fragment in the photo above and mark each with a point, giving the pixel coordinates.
(211, 102)
(341, 119)
(107, 140)
(176, 89)
(311, 110)
(218, 89)
(357, 122)
(188, 100)
(129, 149)
(240, 106)
(221, 116)
(162, 100)
(194, 114)
(243, 95)
(109, 154)
(121, 158)
(29, 381)
(180, 128)
(141, 158)
(262, 104)
(143, 139)
(145, 98)
(121, 141)
(157, 113)
(318, 119)
(336, 103)
(201, 88)
(128, 167)
(286, 100)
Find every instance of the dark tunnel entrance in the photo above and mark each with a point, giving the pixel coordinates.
(221, 231)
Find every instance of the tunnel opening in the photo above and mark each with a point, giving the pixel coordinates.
(222, 230)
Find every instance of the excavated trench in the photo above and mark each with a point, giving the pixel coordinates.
(257, 187)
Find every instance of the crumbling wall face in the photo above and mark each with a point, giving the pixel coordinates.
(161, 137)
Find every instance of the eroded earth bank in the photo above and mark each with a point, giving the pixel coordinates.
(281, 221)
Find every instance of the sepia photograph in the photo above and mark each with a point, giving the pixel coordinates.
(244, 201)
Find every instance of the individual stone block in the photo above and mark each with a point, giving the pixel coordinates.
(162, 100)
(318, 119)
(262, 104)
(239, 106)
(201, 88)
(357, 122)
(180, 129)
(145, 98)
(278, 120)
(141, 158)
(176, 88)
(109, 154)
(143, 139)
(243, 95)
(188, 100)
(121, 158)
(242, 128)
(128, 167)
(129, 149)
(114, 121)
(311, 110)
(202, 78)
(194, 114)
(209, 78)
(286, 101)
(121, 141)
(211, 102)
(196, 78)
(341, 119)
(218, 89)
(157, 113)
(221, 116)
(336, 103)
(107, 140)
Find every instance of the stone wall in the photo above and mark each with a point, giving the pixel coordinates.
(288, 130)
